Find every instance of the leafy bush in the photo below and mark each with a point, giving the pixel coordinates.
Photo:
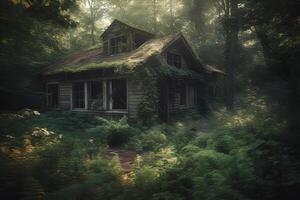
(112, 132)
(64, 121)
(100, 165)
(152, 139)
(241, 155)
(32, 189)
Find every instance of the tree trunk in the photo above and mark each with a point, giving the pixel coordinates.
(172, 16)
(231, 51)
(93, 34)
(92, 18)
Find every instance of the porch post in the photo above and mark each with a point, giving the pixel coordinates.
(85, 96)
(104, 94)
(110, 96)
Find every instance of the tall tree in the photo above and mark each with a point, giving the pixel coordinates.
(29, 39)
(231, 30)
(227, 13)
(276, 24)
(155, 13)
(95, 9)
(171, 10)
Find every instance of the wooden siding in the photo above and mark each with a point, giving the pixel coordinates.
(191, 100)
(65, 91)
(135, 96)
(132, 34)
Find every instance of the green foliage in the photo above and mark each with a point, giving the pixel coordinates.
(112, 132)
(63, 121)
(95, 186)
(239, 155)
(111, 169)
(32, 190)
(152, 139)
(24, 51)
(148, 110)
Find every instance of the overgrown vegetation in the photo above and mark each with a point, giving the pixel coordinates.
(250, 152)
(240, 155)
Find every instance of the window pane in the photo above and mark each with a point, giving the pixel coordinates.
(95, 95)
(119, 94)
(182, 94)
(174, 59)
(169, 59)
(78, 95)
(118, 44)
(52, 95)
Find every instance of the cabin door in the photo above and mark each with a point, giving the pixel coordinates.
(52, 95)
(163, 100)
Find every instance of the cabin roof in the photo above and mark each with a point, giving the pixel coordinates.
(95, 59)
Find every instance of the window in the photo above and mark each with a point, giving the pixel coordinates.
(105, 47)
(118, 45)
(95, 89)
(182, 94)
(100, 95)
(52, 95)
(78, 95)
(119, 94)
(191, 95)
(174, 60)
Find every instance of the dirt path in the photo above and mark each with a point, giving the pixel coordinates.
(126, 158)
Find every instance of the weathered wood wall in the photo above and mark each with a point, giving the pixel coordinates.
(193, 92)
(135, 96)
(64, 99)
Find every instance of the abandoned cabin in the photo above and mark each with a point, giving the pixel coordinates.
(132, 67)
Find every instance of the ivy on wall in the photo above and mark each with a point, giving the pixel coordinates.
(149, 74)
(148, 108)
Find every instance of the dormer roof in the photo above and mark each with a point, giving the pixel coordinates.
(118, 23)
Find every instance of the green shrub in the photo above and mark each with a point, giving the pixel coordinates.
(201, 140)
(64, 121)
(112, 132)
(110, 168)
(152, 139)
(32, 190)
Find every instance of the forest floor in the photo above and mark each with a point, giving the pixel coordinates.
(126, 158)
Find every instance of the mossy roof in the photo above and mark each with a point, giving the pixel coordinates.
(95, 59)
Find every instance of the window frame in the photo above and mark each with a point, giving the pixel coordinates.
(183, 85)
(118, 44)
(126, 95)
(47, 94)
(84, 96)
(107, 103)
(174, 59)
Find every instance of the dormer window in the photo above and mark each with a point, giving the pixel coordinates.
(118, 45)
(174, 59)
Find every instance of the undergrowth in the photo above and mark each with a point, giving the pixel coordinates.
(62, 155)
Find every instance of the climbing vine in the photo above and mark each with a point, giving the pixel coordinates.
(148, 107)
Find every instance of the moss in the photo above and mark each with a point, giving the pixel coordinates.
(93, 59)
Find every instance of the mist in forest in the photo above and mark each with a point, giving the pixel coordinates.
(243, 145)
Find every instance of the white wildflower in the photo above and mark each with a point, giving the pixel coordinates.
(35, 112)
